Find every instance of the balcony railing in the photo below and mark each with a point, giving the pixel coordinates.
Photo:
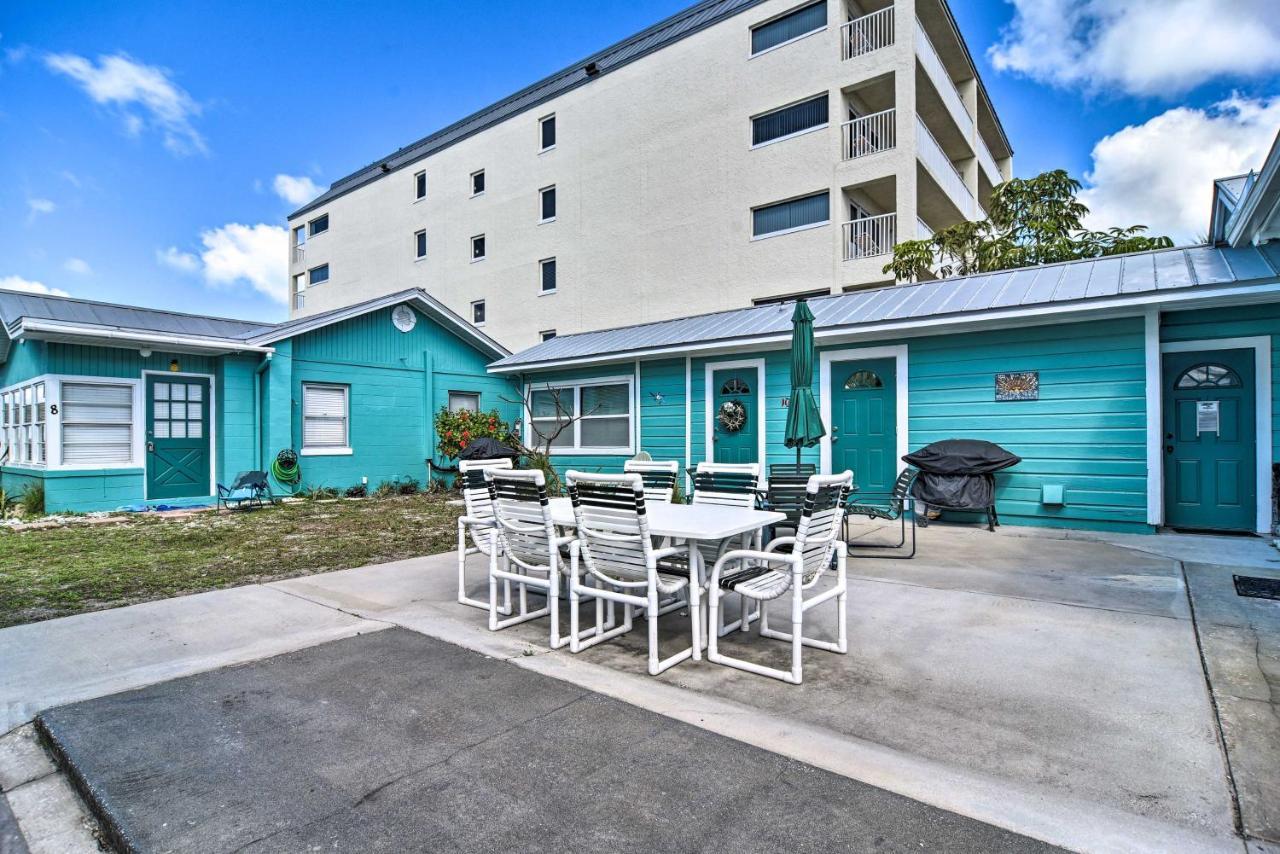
(299, 300)
(988, 162)
(944, 171)
(296, 254)
(870, 236)
(942, 81)
(868, 33)
(923, 231)
(870, 134)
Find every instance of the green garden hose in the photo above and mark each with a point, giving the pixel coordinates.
(285, 469)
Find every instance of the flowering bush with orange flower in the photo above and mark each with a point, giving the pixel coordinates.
(457, 428)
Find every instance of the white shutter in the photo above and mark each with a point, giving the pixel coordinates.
(324, 416)
(97, 424)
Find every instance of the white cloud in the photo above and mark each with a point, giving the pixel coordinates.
(136, 90)
(1141, 47)
(79, 266)
(36, 207)
(176, 259)
(295, 190)
(17, 283)
(257, 255)
(1160, 173)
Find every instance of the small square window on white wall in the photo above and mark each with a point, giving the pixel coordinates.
(325, 416)
(468, 400)
(477, 312)
(420, 244)
(547, 132)
(477, 182)
(478, 248)
(420, 185)
(547, 334)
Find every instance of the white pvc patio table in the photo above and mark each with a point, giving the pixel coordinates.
(690, 524)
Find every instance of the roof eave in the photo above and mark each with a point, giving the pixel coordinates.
(1234, 293)
(74, 333)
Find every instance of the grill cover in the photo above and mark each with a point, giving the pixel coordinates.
(959, 473)
(962, 456)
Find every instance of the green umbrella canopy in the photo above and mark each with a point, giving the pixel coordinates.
(804, 423)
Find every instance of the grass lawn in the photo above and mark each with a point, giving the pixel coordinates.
(81, 567)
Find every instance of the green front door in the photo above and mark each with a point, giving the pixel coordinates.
(734, 393)
(864, 422)
(177, 437)
(1210, 447)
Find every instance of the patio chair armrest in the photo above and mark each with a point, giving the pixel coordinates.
(750, 554)
(564, 541)
(670, 551)
(779, 541)
(473, 521)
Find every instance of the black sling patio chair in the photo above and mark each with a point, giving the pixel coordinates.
(792, 470)
(892, 506)
(250, 489)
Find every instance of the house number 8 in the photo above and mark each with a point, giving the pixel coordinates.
(53, 409)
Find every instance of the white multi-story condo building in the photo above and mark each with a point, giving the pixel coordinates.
(740, 151)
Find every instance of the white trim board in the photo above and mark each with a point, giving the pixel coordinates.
(1261, 346)
(141, 419)
(897, 352)
(762, 400)
(1154, 376)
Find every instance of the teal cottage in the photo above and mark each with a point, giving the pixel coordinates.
(108, 405)
(1136, 388)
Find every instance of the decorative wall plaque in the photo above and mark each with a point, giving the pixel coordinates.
(1018, 385)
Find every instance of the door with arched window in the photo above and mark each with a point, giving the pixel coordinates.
(864, 435)
(735, 424)
(1210, 440)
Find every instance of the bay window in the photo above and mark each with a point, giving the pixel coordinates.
(583, 417)
(22, 413)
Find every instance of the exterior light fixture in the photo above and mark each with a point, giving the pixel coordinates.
(173, 365)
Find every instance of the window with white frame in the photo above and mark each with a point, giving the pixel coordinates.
(420, 185)
(547, 204)
(547, 271)
(325, 416)
(22, 413)
(97, 424)
(319, 225)
(468, 400)
(300, 291)
(583, 417)
(547, 132)
(477, 312)
(477, 248)
(477, 182)
(420, 244)
(318, 275)
(547, 334)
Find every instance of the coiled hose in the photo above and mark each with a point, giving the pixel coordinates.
(285, 468)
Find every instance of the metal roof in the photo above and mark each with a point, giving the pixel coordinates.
(666, 32)
(17, 305)
(1078, 282)
(1234, 186)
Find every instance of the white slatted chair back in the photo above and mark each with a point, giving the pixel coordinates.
(659, 478)
(476, 498)
(821, 520)
(613, 527)
(523, 515)
(726, 484)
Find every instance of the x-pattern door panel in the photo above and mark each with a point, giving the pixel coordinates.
(177, 437)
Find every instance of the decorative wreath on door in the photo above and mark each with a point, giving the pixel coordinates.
(732, 416)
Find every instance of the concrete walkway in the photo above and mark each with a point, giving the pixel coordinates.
(1049, 685)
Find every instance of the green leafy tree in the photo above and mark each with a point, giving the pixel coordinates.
(1031, 221)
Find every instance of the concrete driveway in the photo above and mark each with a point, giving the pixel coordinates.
(1049, 685)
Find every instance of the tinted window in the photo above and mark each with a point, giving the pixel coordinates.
(549, 203)
(549, 274)
(477, 312)
(477, 183)
(421, 240)
(793, 214)
(319, 225)
(792, 25)
(316, 275)
(788, 120)
(548, 128)
(420, 185)
(477, 247)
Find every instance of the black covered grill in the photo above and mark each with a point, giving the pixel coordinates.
(959, 474)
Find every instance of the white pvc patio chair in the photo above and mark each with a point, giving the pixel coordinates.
(771, 574)
(659, 478)
(477, 522)
(615, 547)
(726, 485)
(528, 553)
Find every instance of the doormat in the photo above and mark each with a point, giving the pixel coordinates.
(1257, 588)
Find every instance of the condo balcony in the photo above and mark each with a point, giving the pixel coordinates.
(867, 33)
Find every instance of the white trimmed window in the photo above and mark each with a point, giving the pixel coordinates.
(325, 417)
(547, 132)
(593, 417)
(22, 414)
(420, 185)
(97, 424)
(468, 400)
(420, 244)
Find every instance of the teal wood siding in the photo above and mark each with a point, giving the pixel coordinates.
(662, 425)
(235, 416)
(1236, 322)
(392, 376)
(27, 359)
(1086, 432)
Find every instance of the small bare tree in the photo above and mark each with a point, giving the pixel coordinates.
(537, 452)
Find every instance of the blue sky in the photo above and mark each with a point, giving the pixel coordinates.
(140, 143)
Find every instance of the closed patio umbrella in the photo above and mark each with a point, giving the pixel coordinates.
(804, 423)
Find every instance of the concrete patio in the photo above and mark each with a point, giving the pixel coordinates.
(1049, 684)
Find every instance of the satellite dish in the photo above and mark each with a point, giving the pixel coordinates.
(404, 318)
